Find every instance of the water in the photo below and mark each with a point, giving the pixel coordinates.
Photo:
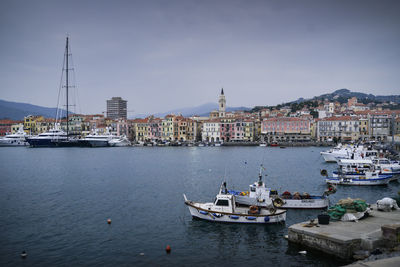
(55, 202)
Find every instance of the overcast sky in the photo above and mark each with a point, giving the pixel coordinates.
(162, 55)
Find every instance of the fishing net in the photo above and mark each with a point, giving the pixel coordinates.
(348, 205)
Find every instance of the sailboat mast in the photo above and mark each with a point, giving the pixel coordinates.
(66, 82)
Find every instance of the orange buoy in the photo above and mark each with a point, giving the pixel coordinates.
(168, 249)
(109, 221)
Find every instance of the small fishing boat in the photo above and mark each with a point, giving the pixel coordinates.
(224, 209)
(260, 195)
(374, 179)
(362, 178)
(358, 167)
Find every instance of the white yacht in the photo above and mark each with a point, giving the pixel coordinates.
(17, 139)
(120, 141)
(97, 140)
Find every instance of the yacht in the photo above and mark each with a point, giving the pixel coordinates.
(120, 141)
(17, 139)
(47, 139)
(97, 140)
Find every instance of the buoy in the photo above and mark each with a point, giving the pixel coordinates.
(109, 221)
(24, 254)
(286, 237)
(303, 252)
(141, 254)
(168, 249)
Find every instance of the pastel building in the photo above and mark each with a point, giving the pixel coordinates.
(286, 129)
(211, 131)
(343, 128)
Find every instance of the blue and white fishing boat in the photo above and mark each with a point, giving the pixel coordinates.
(366, 178)
(358, 167)
(225, 209)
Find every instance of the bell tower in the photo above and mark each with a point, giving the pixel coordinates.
(222, 104)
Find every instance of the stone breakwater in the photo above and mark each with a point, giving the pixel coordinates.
(346, 239)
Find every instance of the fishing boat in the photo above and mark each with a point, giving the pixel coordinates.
(260, 195)
(357, 167)
(360, 178)
(225, 209)
(368, 179)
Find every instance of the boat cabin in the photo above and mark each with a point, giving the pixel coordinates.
(224, 203)
(355, 165)
(259, 191)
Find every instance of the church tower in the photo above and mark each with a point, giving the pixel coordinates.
(222, 104)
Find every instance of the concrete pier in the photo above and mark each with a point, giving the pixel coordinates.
(343, 239)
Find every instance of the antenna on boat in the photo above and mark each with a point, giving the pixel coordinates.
(260, 174)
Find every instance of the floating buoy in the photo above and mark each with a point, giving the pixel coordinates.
(168, 249)
(303, 252)
(141, 254)
(24, 254)
(109, 221)
(286, 237)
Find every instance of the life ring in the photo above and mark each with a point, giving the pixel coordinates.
(278, 202)
(253, 210)
(324, 173)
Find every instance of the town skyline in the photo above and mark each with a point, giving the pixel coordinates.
(160, 57)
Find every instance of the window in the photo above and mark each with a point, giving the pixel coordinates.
(222, 202)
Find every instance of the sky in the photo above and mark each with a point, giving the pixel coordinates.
(163, 55)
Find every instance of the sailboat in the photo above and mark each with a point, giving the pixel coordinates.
(56, 136)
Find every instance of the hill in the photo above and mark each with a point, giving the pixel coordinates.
(342, 95)
(17, 111)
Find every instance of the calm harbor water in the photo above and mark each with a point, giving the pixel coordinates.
(55, 202)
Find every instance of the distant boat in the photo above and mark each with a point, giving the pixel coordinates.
(97, 139)
(119, 142)
(48, 139)
(17, 139)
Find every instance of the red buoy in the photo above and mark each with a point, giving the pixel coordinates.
(168, 249)
(109, 221)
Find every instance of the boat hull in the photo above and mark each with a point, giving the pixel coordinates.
(314, 202)
(13, 143)
(97, 143)
(358, 181)
(203, 214)
(36, 142)
(311, 203)
(329, 157)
